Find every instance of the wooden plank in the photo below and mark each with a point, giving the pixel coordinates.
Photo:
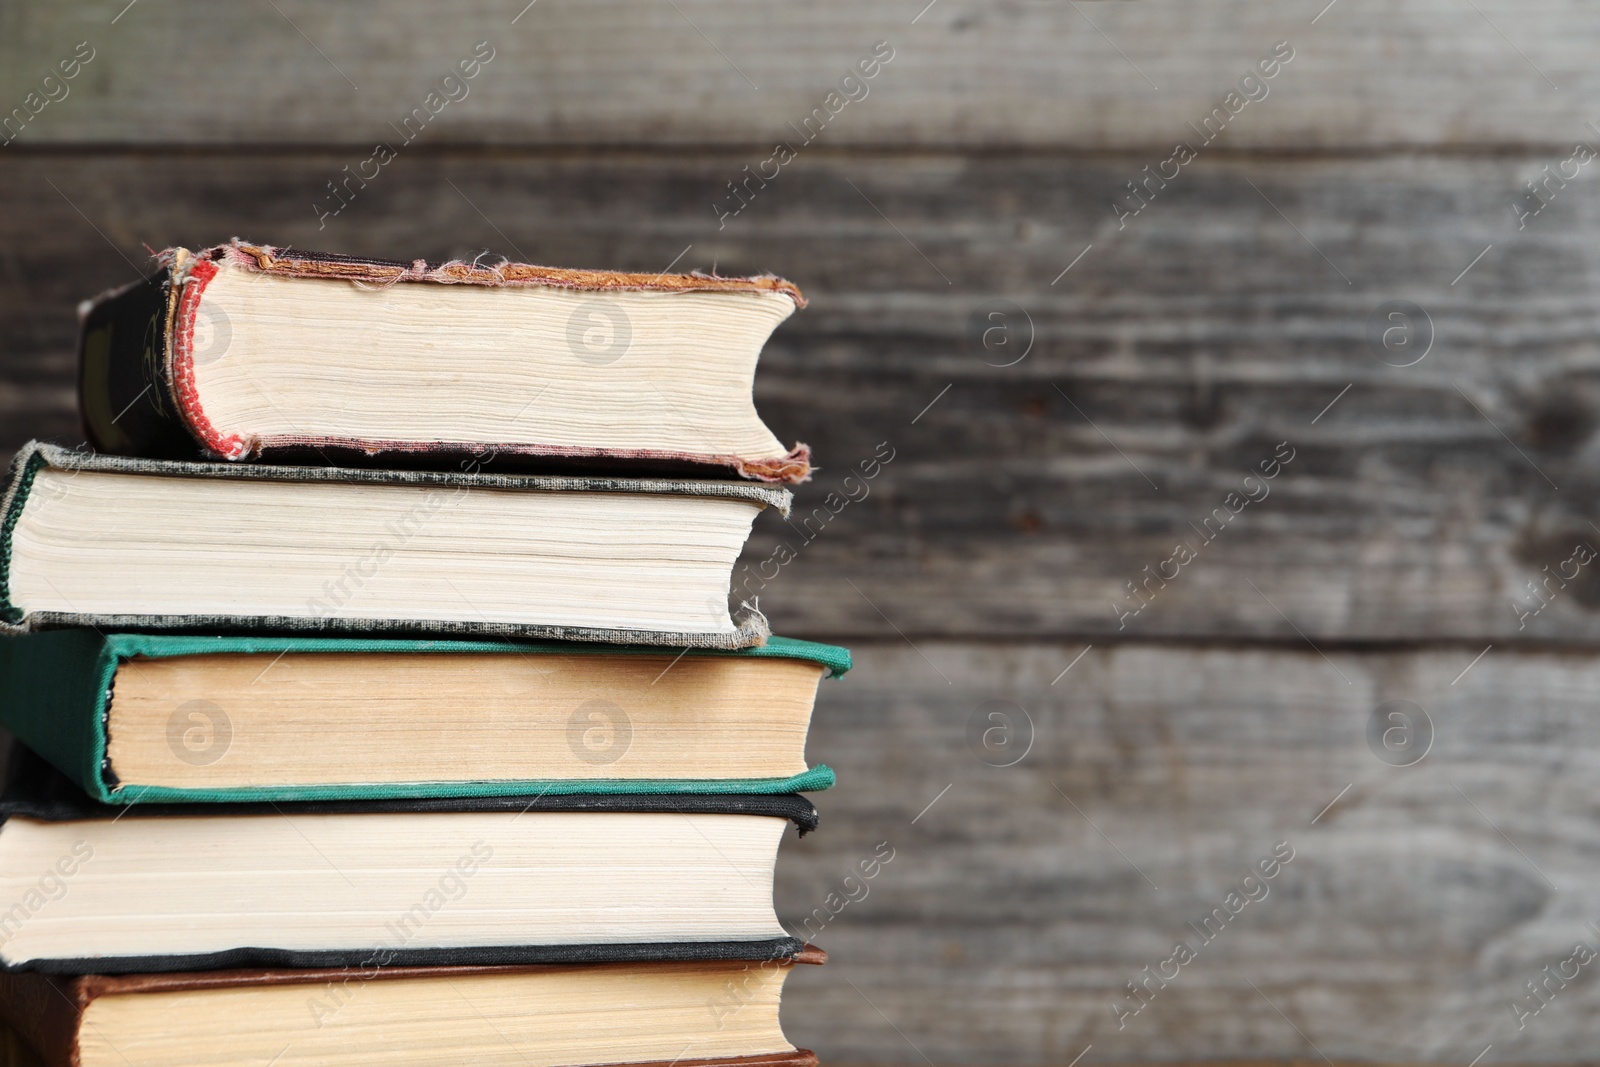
(1171, 360)
(1019, 904)
(1366, 73)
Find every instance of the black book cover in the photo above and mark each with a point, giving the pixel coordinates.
(124, 393)
(35, 790)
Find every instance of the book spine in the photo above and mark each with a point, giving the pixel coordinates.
(125, 388)
(44, 1012)
(19, 481)
(54, 690)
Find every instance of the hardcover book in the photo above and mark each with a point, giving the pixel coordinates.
(246, 350)
(115, 543)
(135, 718)
(710, 1013)
(87, 888)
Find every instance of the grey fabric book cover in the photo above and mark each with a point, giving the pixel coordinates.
(750, 629)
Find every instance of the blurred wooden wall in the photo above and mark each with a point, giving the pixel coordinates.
(1239, 314)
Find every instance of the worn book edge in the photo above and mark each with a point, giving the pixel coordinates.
(299, 263)
(185, 275)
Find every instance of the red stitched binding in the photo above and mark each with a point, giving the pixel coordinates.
(231, 447)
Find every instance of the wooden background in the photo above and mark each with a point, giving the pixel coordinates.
(1174, 356)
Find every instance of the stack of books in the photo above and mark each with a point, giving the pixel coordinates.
(378, 693)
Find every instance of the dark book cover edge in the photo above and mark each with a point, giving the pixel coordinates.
(54, 696)
(125, 397)
(36, 789)
(378, 958)
(174, 981)
(45, 1012)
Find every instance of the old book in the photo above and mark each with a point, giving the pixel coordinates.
(134, 718)
(711, 1013)
(115, 543)
(246, 350)
(88, 888)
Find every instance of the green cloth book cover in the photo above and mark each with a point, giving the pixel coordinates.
(57, 689)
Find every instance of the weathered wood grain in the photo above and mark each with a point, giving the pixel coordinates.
(1225, 317)
(1368, 73)
(1019, 904)
(1170, 361)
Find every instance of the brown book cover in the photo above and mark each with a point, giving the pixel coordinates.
(145, 352)
(46, 1012)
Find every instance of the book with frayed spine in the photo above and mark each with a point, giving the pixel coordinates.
(247, 351)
